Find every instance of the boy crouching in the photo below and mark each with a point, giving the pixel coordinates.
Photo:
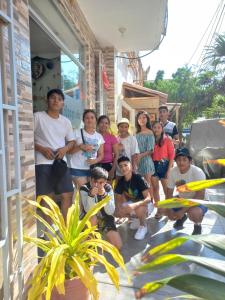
(94, 191)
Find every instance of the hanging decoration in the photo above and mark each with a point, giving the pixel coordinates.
(105, 79)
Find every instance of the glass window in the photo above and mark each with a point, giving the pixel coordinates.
(73, 86)
(4, 6)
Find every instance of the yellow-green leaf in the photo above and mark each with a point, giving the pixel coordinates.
(199, 185)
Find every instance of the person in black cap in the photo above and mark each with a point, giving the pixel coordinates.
(183, 173)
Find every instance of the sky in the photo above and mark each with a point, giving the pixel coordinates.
(187, 23)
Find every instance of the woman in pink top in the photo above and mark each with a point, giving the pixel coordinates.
(163, 156)
(111, 151)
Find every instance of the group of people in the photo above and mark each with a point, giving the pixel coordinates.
(96, 159)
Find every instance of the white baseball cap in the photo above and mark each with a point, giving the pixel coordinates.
(123, 120)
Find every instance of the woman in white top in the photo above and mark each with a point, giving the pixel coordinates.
(88, 150)
(128, 145)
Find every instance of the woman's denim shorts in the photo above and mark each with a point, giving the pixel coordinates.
(161, 167)
(79, 172)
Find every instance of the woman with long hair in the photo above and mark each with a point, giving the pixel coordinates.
(111, 151)
(146, 142)
(163, 157)
(88, 150)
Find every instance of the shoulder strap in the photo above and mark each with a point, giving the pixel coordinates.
(82, 135)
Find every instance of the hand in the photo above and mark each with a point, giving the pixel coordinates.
(61, 152)
(93, 191)
(167, 175)
(48, 153)
(111, 174)
(91, 161)
(86, 148)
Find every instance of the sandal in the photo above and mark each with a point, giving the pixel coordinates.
(158, 216)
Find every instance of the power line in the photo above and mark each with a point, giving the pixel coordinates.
(199, 43)
(138, 57)
(211, 35)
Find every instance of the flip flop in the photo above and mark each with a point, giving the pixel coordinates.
(158, 216)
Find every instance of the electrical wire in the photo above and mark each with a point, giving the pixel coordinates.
(156, 47)
(212, 35)
(199, 43)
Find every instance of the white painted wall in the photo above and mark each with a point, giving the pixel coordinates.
(123, 73)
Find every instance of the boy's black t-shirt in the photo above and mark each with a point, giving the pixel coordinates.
(133, 188)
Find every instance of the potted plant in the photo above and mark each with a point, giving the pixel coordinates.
(71, 251)
(196, 286)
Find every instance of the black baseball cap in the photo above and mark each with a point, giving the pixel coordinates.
(183, 152)
(123, 158)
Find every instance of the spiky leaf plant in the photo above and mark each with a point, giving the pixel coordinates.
(70, 251)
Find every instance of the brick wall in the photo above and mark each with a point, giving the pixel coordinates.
(109, 61)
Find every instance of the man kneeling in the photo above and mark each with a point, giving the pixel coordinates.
(94, 191)
(132, 197)
(183, 173)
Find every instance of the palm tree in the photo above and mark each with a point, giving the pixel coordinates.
(215, 55)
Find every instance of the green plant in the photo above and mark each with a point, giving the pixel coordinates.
(70, 251)
(198, 287)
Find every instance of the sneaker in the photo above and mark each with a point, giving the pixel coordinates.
(180, 222)
(141, 232)
(197, 229)
(150, 208)
(135, 223)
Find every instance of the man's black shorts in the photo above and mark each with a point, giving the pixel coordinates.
(47, 182)
(106, 223)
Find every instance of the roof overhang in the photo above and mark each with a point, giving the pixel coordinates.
(127, 25)
(141, 98)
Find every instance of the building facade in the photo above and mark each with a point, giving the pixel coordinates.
(46, 44)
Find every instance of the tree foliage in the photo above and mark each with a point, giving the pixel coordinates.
(195, 92)
(215, 54)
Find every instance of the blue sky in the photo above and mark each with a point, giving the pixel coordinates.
(187, 22)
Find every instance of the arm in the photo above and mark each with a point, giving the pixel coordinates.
(175, 135)
(109, 208)
(144, 202)
(100, 156)
(47, 152)
(169, 193)
(171, 154)
(81, 147)
(115, 149)
(87, 200)
(200, 195)
(62, 151)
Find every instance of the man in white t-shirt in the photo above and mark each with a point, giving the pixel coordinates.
(183, 173)
(53, 138)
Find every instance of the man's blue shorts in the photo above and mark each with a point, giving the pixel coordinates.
(203, 208)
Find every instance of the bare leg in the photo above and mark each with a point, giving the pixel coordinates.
(94, 221)
(114, 238)
(164, 185)
(66, 202)
(141, 213)
(44, 204)
(155, 185)
(79, 181)
(148, 179)
(195, 214)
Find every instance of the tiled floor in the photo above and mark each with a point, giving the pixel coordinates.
(159, 231)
